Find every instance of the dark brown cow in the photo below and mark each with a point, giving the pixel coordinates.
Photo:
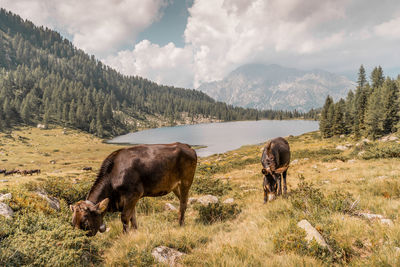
(129, 174)
(275, 160)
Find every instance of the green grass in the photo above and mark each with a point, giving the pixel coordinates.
(327, 189)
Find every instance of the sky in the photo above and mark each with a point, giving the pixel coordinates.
(188, 42)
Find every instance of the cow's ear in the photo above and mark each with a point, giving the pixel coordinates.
(102, 206)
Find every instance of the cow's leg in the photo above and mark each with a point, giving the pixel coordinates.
(177, 192)
(265, 196)
(184, 195)
(129, 214)
(278, 180)
(284, 183)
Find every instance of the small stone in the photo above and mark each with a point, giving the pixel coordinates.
(343, 148)
(314, 167)
(207, 199)
(333, 170)
(325, 181)
(228, 201)
(5, 196)
(351, 161)
(371, 216)
(169, 206)
(294, 162)
(192, 200)
(6, 211)
(166, 255)
(306, 159)
(388, 222)
(342, 136)
(53, 202)
(382, 177)
(4, 181)
(312, 233)
(52, 161)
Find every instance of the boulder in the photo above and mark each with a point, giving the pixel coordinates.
(53, 202)
(5, 196)
(166, 255)
(312, 233)
(6, 211)
(228, 201)
(207, 199)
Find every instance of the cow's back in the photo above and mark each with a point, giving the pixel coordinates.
(156, 168)
(279, 149)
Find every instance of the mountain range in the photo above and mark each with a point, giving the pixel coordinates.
(276, 87)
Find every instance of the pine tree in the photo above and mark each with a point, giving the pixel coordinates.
(390, 106)
(325, 124)
(338, 126)
(377, 77)
(374, 115)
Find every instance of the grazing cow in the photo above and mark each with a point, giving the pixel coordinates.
(129, 174)
(37, 171)
(3, 170)
(87, 168)
(275, 161)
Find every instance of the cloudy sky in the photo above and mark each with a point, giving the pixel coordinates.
(187, 42)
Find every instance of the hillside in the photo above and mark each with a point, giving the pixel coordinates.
(327, 186)
(45, 79)
(276, 87)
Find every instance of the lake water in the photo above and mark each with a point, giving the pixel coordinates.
(219, 137)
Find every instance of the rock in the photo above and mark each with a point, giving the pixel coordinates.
(342, 136)
(169, 206)
(5, 196)
(312, 233)
(382, 177)
(41, 126)
(314, 167)
(306, 159)
(166, 255)
(6, 211)
(333, 170)
(388, 222)
(4, 181)
(343, 148)
(53, 202)
(294, 162)
(192, 200)
(52, 161)
(361, 153)
(380, 217)
(393, 138)
(351, 161)
(397, 249)
(207, 199)
(228, 201)
(366, 140)
(325, 181)
(371, 216)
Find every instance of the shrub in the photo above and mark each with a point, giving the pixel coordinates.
(63, 188)
(35, 239)
(215, 212)
(209, 185)
(387, 189)
(382, 150)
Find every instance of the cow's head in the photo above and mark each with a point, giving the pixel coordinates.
(88, 216)
(270, 184)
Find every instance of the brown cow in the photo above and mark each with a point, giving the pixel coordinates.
(275, 160)
(129, 174)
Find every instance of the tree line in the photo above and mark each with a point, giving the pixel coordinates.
(371, 111)
(45, 79)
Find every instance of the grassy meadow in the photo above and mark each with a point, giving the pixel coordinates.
(326, 186)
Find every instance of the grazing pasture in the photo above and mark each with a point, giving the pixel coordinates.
(331, 188)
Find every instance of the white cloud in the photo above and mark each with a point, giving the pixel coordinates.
(167, 65)
(336, 35)
(96, 26)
